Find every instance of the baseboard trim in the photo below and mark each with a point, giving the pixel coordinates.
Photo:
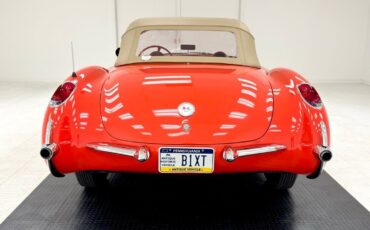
(30, 83)
(337, 82)
(366, 82)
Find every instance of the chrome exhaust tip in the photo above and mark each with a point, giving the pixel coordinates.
(48, 151)
(324, 153)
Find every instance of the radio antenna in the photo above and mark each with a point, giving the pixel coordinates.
(73, 61)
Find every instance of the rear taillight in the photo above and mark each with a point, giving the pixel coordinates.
(310, 95)
(62, 93)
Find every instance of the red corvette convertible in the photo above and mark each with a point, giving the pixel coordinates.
(186, 96)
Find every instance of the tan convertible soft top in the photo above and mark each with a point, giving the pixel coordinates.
(246, 47)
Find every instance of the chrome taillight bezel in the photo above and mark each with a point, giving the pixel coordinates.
(54, 104)
(318, 106)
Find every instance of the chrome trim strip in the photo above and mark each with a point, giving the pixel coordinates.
(323, 151)
(260, 150)
(48, 131)
(324, 134)
(112, 149)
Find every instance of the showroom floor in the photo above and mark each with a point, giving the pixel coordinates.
(22, 108)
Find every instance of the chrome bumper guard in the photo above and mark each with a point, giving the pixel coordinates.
(231, 154)
(141, 153)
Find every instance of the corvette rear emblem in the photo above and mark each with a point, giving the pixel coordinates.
(186, 109)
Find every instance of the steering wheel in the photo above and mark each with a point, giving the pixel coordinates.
(158, 49)
(219, 54)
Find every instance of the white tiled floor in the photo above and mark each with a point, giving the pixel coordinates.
(21, 114)
(348, 106)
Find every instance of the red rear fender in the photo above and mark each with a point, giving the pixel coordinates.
(81, 109)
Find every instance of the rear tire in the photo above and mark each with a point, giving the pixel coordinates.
(92, 179)
(280, 181)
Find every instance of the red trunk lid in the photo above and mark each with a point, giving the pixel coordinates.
(139, 103)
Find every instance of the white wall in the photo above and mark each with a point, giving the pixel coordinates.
(36, 34)
(210, 8)
(131, 10)
(323, 40)
(367, 54)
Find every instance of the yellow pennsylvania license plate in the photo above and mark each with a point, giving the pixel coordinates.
(185, 160)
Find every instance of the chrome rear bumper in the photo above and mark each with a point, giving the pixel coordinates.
(230, 154)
